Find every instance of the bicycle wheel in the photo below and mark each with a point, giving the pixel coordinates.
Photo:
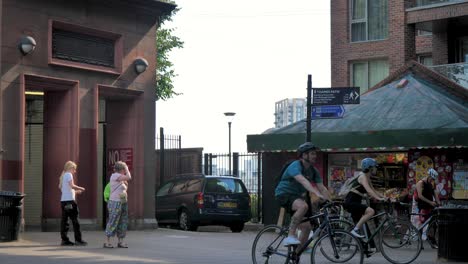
(267, 247)
(433, 234)
(337, 224)
(400, 242)
(339, 247)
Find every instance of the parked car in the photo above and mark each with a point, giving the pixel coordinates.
(197, 200)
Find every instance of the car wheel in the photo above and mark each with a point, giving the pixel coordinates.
(237, 227)
(185, 223)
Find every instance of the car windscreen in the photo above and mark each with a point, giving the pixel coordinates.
(220, 185)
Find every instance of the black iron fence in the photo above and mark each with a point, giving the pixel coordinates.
(247, 167)
(172, 159)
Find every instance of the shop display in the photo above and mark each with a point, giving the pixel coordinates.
(421, 162)
(390, 174)
(460, 181)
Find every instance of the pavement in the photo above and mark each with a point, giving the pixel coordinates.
(212, 244)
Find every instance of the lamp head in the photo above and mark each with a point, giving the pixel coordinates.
(140, 65)
(27, 45)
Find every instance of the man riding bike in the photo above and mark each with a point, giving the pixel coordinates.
(300, 177)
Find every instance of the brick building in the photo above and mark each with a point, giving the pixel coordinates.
(78, 83)
(373, 38)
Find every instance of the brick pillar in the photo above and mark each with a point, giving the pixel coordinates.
(439, 42)
(402, 35)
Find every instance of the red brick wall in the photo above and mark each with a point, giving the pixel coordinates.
(423, 44)
(397, 48)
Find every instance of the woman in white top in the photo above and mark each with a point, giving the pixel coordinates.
(68, 204)
(117, 205)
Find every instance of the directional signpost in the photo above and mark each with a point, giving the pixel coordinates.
(335, 96)
(327, 111)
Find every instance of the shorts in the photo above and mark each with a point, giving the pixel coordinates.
(356, 210)
(424, 214)
(286, 201)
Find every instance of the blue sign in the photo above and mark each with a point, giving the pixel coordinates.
(328, 111)
(335, 96)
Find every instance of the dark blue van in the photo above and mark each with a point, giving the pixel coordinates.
(197, 200)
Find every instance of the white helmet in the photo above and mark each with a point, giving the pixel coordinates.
(433, 173)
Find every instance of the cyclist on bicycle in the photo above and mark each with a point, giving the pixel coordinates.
(426, 197)
(360, 186)
(298, 178)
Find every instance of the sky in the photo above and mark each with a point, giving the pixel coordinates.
(242, 56)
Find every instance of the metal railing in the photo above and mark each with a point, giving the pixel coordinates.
(457, 72)
(247, 167)
(422, 3)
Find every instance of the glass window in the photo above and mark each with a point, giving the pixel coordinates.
(194, 185)
(178, 187)
(369, 20)
(366, 74)
(425, 60)
(224, 186)
(164, 189)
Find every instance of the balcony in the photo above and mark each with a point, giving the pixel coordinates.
(457, 72)
(424, 3)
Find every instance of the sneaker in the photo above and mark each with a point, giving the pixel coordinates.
(67, 243)
(424, 237)
(81, 243)
(291, 241)
(356, 234)
(369, 252)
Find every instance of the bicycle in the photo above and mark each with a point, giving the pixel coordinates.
(399, 241)
(330, 242)
(432, 225)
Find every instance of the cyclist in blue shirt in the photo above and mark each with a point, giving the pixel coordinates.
(299, 178)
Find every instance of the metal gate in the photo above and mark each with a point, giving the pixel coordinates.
(247, 167)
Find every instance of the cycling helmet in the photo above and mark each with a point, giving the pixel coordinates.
(433, 173)
(367, 163)
(305, 148)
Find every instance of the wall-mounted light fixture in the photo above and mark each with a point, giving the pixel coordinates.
(27, 45)
(140, 65)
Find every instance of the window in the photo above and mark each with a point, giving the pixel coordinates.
(369, 20)
(425, 60)
(163, 191)
(420, 32)
(366, 74)
(224, 186)
(84, 48)
(178, 187)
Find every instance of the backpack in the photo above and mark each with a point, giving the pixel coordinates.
(348, 187)
(106, 192)
(278, 177)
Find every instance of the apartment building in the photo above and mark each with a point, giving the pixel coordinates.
(373, 38)
(289, 111)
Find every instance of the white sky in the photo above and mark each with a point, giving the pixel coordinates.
(242, 56)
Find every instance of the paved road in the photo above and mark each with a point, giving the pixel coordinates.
(152, 246)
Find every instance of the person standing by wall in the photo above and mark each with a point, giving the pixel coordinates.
(69, 206)
(117, 205)
(427, 199)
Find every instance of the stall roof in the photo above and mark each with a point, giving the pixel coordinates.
(414, 107)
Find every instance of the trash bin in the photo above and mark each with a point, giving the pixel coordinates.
(453, 232)
(10, 215)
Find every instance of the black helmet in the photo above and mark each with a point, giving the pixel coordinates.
(306, 147)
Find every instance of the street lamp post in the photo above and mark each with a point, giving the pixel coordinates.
(230, 117)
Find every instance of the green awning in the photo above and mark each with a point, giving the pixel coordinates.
(412, 109)
(370, 140)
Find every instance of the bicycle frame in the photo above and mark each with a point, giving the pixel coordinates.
(380, 226)
(317, 231)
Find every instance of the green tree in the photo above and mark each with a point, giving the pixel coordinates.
(165, 43)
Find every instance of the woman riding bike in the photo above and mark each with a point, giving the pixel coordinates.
(360, 186)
